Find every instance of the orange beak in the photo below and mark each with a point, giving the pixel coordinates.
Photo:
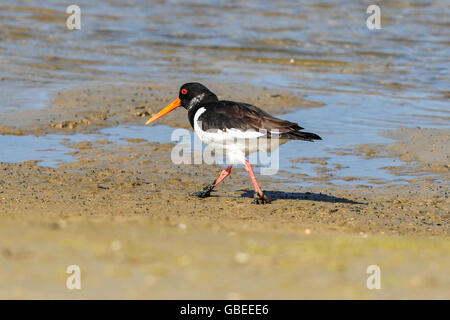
(175, 104)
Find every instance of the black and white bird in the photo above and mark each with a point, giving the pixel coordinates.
(235, 127)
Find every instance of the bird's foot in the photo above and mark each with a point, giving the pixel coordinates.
(260, 199)
(205, 193)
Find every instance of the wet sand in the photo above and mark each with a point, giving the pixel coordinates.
(88, 109)
(130, 225)
(123, 213)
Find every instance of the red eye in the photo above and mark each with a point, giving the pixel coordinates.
(183, 91)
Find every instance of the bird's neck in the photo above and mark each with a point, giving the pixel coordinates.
(197, 102)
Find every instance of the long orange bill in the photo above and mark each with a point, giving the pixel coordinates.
(175, 104)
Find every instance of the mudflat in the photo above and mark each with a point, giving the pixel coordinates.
(122, 212)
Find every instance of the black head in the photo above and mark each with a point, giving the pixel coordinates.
(193, 93)
(191, 96)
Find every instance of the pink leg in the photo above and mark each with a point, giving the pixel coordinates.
(261, 194)
(225, 173)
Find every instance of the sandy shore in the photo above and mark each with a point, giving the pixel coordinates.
(123, 213)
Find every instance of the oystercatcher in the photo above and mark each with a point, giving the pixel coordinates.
(231, 126)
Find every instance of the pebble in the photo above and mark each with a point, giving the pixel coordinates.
(241, 257)
(116, 245)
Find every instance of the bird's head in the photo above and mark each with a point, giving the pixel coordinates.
(191, 95)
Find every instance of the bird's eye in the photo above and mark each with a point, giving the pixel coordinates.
(183, 91)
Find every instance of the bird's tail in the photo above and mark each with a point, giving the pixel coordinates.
(300, 135)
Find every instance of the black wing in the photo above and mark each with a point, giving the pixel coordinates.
(223, 115)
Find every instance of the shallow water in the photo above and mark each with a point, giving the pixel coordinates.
(369, 80)
(53, 149)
